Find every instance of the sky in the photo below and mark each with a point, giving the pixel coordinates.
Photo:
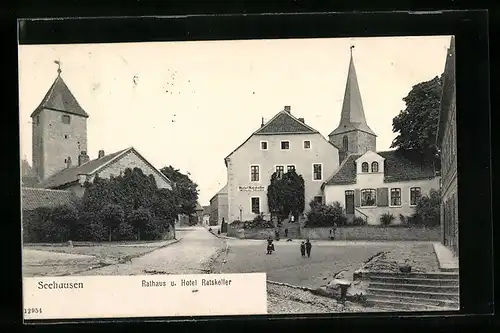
(190, 104)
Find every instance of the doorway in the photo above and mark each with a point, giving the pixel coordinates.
(349, 202)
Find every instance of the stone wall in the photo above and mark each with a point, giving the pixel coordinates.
(374, 233)
(254, 233)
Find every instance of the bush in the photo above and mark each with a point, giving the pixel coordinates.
(112, 215)
(321, 215)
(38, 227)
(386, 219)
(258, 222)
(65, 218)
(427, 211)
(358, 221)
(138, 219)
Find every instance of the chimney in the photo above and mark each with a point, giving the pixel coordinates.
(302, 120)
(262, 123)
(101, 154)
(83, 158)
(287, 108)
(68, 162)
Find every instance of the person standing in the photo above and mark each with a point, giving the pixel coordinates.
(286, 233)
(303, 249)
(308, 248)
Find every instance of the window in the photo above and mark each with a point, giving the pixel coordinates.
(307, 144)
(38, 120)
(66, 119)
(263, 145)
(290, 168)
(256, 205)
(345, 143)
(317, 172)
(368, 198)
(285, 145)
(254, 173)
(318, 199)
(395, 197)
(66, 136)
(280, 169)
(364, 167)
(374, 167)
(415, 194)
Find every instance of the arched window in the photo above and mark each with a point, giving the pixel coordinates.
(364, 167)
(345, 143)
(374, 167)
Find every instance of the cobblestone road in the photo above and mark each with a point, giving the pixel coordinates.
(191, 255)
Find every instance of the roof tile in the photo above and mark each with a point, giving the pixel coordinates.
(33, 198)
(285, 123)
(398, 166)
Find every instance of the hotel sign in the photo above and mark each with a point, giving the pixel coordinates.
(251, 188)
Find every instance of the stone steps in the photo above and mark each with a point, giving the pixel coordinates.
(434, 291)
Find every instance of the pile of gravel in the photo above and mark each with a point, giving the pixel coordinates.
(284, 300)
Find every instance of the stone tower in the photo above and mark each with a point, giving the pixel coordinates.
(353, 135)
(59, 131)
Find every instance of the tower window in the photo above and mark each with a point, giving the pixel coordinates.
(66, 136)
(345, 143)
(66, 119)
(364, 167)
(374, 167)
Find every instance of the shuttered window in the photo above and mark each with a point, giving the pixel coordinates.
(383, 197)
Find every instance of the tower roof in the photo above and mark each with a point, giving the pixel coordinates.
(60, 98)
(353, 115)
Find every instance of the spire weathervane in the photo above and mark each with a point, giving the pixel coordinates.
(58, 63)
(352, 46)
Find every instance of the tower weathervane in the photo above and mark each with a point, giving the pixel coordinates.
(352, 46)
(58, 66)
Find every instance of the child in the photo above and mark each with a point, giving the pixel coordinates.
(308, 248)
(303, 249)
(270, 246)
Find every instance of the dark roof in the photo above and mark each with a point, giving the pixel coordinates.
(60, 98)
(448, 90)
(70, 175)
(198, 207)
(206, 210)
(30, 181)
(33, 198)
(284, 123)
(398, 166)
(352, 116)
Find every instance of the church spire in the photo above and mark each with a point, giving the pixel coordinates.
(352, 115)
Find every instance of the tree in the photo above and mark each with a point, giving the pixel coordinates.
(285, 194)
(112, 215)
(427, 211)
(184, 189)
(139, 218)
(65, 217)
(321, 215)
(416, 125)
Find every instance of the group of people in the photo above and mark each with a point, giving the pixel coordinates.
(305, 247)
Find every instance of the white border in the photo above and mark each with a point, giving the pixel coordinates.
(312, 176)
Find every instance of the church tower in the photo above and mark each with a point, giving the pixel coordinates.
(59, 130)
(353, 135)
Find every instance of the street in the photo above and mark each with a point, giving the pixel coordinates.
(286, 264)
(191, 255)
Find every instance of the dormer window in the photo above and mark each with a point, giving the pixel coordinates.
(364, 167)
(374, 166)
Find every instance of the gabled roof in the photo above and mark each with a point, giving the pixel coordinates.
(70, 175)
(223, 190)
(206, 210)
(33, 198)
(398, 166)
(448, 90)
(60, 98)
(282, 123)
(353, 115)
